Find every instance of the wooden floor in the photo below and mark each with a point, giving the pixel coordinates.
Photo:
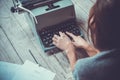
(18, 42)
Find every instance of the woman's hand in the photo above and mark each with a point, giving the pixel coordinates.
(63, 42)
(78, 41)
(81, 43)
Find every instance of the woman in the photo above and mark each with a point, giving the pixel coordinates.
(104, 60)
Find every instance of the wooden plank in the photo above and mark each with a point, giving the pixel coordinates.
(63, 61)
(14, 34)
(80, 14)
(7, 52)
(84, 4)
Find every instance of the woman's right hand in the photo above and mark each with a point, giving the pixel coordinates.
(81, 43)
(78, 41)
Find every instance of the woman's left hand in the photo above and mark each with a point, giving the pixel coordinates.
(63, 42)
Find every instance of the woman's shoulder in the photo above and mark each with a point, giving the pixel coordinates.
(104, 56)
(103, 63)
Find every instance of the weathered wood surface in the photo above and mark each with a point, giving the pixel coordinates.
(19, 43)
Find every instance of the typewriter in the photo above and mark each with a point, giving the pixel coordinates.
(53, 16)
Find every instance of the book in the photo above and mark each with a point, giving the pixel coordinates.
(32, 71)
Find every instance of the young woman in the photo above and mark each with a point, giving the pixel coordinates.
(104, 60)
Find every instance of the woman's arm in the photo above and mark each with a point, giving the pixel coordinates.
(71, 56)
(91, 51)
(65, 44)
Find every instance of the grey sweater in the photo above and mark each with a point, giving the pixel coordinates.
(103, 66)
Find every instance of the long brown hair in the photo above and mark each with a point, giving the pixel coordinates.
(105, 26)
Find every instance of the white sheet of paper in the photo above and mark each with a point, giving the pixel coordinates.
(31, 71)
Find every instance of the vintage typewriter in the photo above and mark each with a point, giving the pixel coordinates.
(53, 16)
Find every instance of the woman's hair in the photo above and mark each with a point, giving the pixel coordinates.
(105, 26)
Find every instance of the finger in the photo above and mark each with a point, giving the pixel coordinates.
(71, 35)
(79, 37)
(56, 36)
(61, 34)
(75, 44)
(54, 39)
(55, 43)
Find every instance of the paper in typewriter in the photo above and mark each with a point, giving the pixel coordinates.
(31, 71)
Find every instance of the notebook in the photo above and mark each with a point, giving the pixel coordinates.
(32, 71)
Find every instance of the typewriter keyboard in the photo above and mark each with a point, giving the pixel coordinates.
(47, 33)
